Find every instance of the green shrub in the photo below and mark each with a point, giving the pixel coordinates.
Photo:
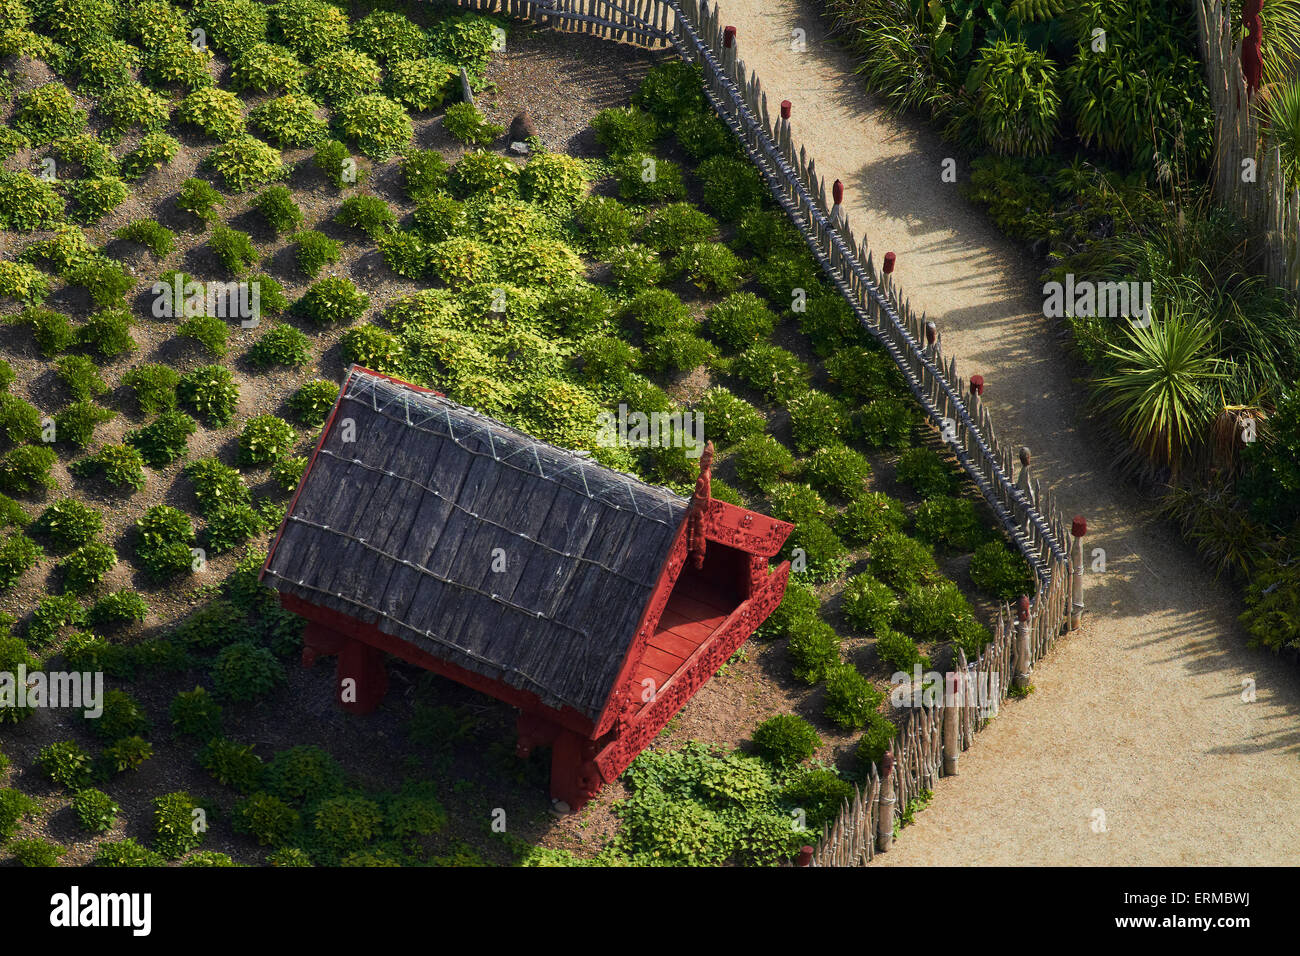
(76, 424)
(164, 537)
(174, 824)
(46, 113)
(370, 214)
(838, 470)
(899, 651)
(878, 738)
(263, 67)
(480, 172)
(154, 387)
(125, 852)
(606, 223)
(217, 112)
(344, 823)
(926, 473)
(901, 561)
(703, 135)
(20, 421)
(885, 423)
(869, 604)
(372, 347)
(198, 197)
(376, 124)
(999, 571)
(820, 794)
(288, 472)
(731, 187)
(157, 238)
(424, 172)
(646, 178)
(264, 439)
(934, 612)
(28, 203)
(813, 648)
(95, 810)
(234, 249)
(194, 713)
(53, 613)
(949, 523)
(216, 485)
(634, 267)
(311, 28)
(817, 423)
(93, 199)
(553, 180)
(123, 716)
(232, 25)
(824, 555)
(740, 320)
(163, 440)
(303, 775)
(389, 37)
(312, 402)
(710, 267)
(107, 333)
(107, 282)
(117, 609)
(827, 321)
(211, 392)
(154, 151)
(671, 91)
(66, 764)
(333, 299)
(727, 418)
(675, 350)
(102, 63)
(243, 671)
(132, 104)
(290, 120)
(23, 282)
(850, 698)
(869, 516)
(120, 466)
(774, 372)
(342, 75)
(622, 130)
(267, 819)
(278, 208)
(85, 567)
(36, 852)
(245, 162)
(69, 523)
(14, 654)
(126, 753)
(280, 345)
(315, 251)
(26, 468)
(208, 330)
(796, 503)
(467, 124)
(760, 460)
(786, 740)
(232, 764)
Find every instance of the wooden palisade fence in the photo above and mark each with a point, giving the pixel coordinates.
(932, 735)
(1247, 172)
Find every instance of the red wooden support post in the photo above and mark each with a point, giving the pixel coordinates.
(1078, 528)
(728, 37)
(695, 536)
(890, 259)
(1023, 662)
(362, 679)
(885, 804)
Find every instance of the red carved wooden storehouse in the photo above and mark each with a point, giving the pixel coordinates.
(595, 603)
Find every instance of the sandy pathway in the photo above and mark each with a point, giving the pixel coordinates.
(1139, 716)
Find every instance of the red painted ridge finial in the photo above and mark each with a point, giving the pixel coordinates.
(1079, 526)
(728, 37)
(890, 259)
(786, 107)
(837, 192)
(1023, 608)
(977, 384)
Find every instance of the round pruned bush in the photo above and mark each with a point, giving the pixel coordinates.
(155, 237)
(740, 320)
(217, 112)
(796, 503)
(817, 421)
(935, 612)
(342, 75)
(173, 825)
(376, 124)
(245, 162)
(314, 251)
(901, 561)
(52, 331)
(107, 333)
(232, 25)
(311, 28)
(195, 713)
(389, 37)
(154, 151)
(119, 466)
(761, 460)
(951, 524)
(675, 350)
(69, 523)
(345, 823)
(1001, 572)
(424, 172)
(96, 811)
(420, 85)
(164, 537)
(553, 180)
(243, 671)
(926, 473)
(94, 198)
(312, 402)
(163, 440)
(646, 178)
(464, 122)
(209, 331)
(266, 818)
(23, 283)
(132, 104)
(731, 187)
(125, 852)
(605, 222)
(263, 67)
(850, 698)
(373, 348)
(899, 651)
(198, 196)
(815, 551)
(264, 439)
(28, 203)
(66, 764)
(290, 120)
(621, 130)
(885, 423)
(216, 485)
(26, 468)
(728, 419)
(303, 775)
(46, 113)
(869, 516)
(36, 852)
(671, 91)
(877, 739)
(278, 208)
(233, 249)
(483, 172)
(866, 374)
(116, 610)
(280, 345)
(370, 214)
(869, 605)
(211, 392)
(333, 299)
(86, 566)
(674, 227)
(288, 472)
(813, 648)
(710, 267)
(232, 764)
(786, 740)
(122, 717)
(838, 470)
(703, 135)
(20, 421)
(774, 372)
(18, 555)
(827, 320)
(635, 267)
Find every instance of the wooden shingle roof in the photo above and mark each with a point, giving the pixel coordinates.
(411, 501)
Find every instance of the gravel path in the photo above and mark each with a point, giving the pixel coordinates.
(1136, 746)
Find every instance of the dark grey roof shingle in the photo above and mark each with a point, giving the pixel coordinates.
(399, 528)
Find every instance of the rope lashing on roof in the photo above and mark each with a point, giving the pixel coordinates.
(461, 508)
